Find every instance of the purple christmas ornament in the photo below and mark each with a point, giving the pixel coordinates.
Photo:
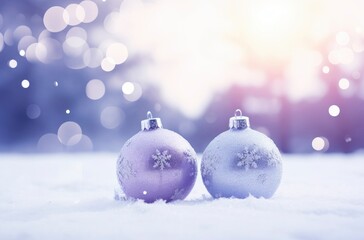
(240, 162)
(156, 163)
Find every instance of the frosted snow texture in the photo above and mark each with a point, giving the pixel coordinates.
(71, 197)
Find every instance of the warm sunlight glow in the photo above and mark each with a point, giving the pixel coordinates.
(272, 28)
(213, 46)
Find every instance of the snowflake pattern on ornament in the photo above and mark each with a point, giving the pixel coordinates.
(190, 159)
(125, 168)
(189, 156)
(248, 158)
(209, 164)
(178, 193)
(161, 159)
(262, 178)
(273, 158)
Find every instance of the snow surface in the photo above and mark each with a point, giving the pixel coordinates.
(71, 196)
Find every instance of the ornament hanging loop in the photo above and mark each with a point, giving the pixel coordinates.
(238, 113)
(149, 115)
(150, 123)
(239, 122)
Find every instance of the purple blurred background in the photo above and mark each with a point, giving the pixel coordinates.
(81, 75)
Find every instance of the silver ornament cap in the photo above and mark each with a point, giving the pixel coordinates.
(150, 123)
(239, 122)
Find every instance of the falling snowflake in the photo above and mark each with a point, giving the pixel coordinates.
(125, 168)
(161, 159)
(248, 158)
(178, 194)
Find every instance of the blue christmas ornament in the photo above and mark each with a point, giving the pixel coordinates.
(241, 161)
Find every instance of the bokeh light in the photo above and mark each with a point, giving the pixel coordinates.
(13, 63)
(76, 37)
(344, 83)
(334, 110)
(41, 52)
(8, 37)
(36, 52)
(85, 144)
(93, 57)
(21, 31)
(320, 144)
(25, 42)
(69, 133)
(128, 88)
(107, 64)
(117, 52)
(342, 38)
(325, 69)
(1, 41)
(91, 11)
(272, 59)
(25, 83)
(134, 93)
(53, 19)
(95, 89)
(74, 14)
(111, 117)
(49, 142)
(33, 111)
(75, 43)
(342, 55)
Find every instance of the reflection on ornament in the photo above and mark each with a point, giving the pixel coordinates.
(156, 163)
(240, 162)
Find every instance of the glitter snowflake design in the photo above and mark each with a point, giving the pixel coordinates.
(248, 158)
(178, 193)
(262, 178)
(161, 159)
(125, 168)
(209, 164)
(273, 158)
(190, 159)
(189, 156)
